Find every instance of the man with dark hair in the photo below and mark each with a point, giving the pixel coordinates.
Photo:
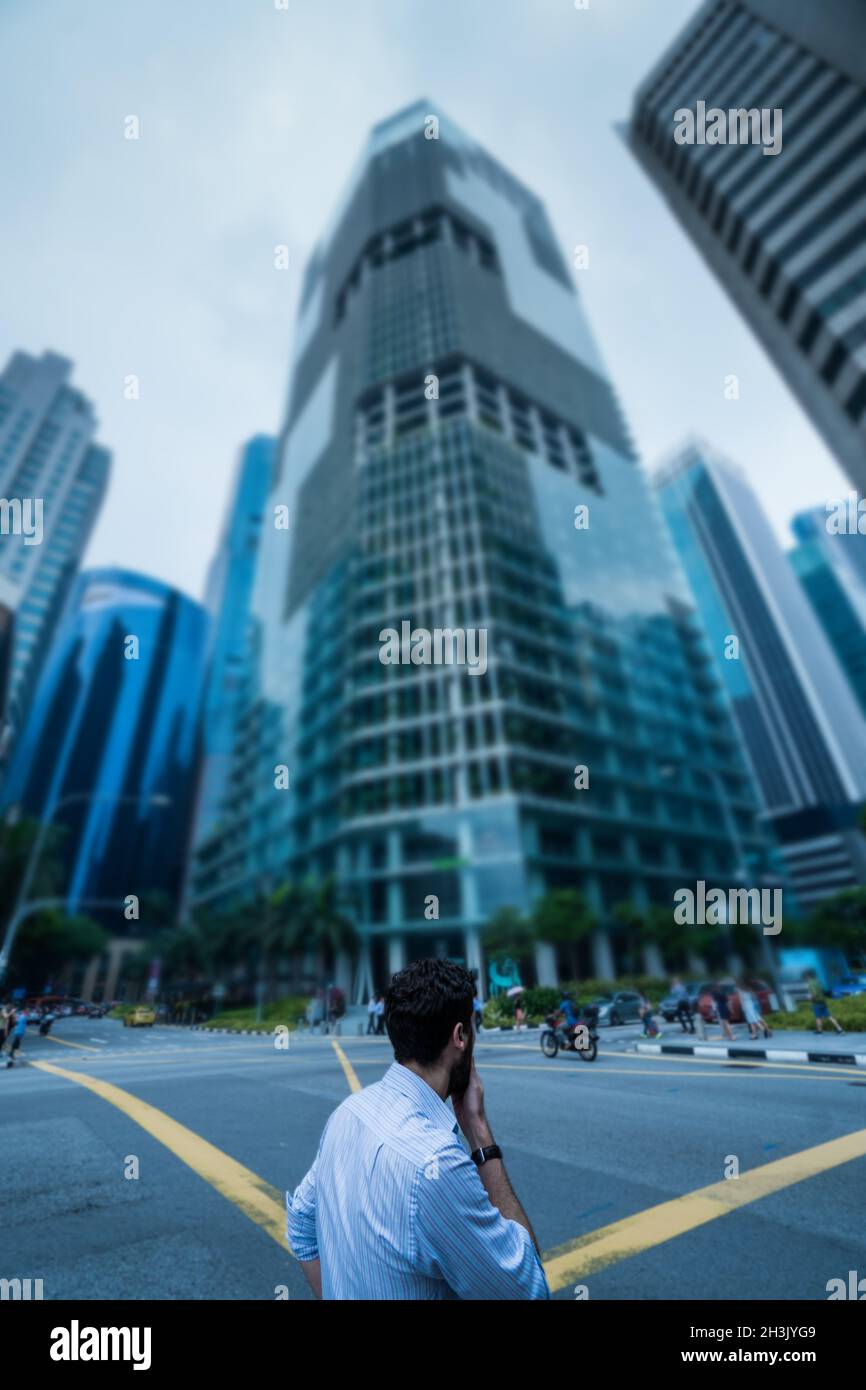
(394, 1207)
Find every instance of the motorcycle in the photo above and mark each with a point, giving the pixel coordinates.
(556, 1036)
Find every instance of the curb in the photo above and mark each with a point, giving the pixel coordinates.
(767, 1054)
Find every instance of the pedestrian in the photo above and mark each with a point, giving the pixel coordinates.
(393, 1207)
(18, 1030)
(316, 1011)
(5, 1024)
(380, 1015)
(650, 1027)
(680, 995)
(477, 1012)
(723, 1012)
(519, 1017)
(752, 1012)
(820, 1007)
(371, 1014)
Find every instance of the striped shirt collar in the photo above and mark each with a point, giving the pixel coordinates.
(407, 1083)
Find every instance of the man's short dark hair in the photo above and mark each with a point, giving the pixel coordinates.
(422, 1005)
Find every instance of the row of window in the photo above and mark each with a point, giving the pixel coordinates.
(428, 228)
(460, 388)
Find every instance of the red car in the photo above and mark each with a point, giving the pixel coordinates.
(707, 1008)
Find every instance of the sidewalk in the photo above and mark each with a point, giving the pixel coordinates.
(783, 1046)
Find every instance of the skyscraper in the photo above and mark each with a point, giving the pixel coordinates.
(228, 600)
(109, 750)
(454, 458)
(52, 483)
(831, 566)
(802, 727)
(785, 234)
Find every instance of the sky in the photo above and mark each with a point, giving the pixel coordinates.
(155, 257)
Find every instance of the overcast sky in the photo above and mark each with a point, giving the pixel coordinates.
(156, 257)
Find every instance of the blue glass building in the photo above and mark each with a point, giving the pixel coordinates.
(803, 730)
(110, 748)
(47, 459)
(449, 419)
(832, 570)
(228, 600)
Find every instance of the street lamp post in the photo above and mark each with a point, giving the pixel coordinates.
(23, 906)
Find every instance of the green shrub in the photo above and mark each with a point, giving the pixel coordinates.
(288, 1011)
(850, 1012)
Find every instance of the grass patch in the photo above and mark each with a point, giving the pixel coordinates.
(288, 1012)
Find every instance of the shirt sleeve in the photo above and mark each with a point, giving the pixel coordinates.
(301, 1217)
(462, 1237)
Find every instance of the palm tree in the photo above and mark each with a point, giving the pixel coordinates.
(562, 917)
(327, 927)
(510, 935)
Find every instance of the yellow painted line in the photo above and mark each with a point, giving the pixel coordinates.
(599, 1249)
(256, 1198)
(351, 1077)
(565, 1264)
(64, 1043)
(587, 1068)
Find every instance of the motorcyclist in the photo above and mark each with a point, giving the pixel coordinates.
(566, 1008)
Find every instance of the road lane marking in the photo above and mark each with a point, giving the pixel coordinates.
(351, 1077)
(65, 1043)
(591, 1253)
(613, 1071)
(564, 1264)
(811, 1067)
(256, 1198)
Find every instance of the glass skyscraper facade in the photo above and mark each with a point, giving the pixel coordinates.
(786, 234)
(48, 461)
(832, 570)
(228, 600)
(454, 457)
(109, 750)
(801, 725)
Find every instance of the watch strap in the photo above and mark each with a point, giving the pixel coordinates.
(481, 1156)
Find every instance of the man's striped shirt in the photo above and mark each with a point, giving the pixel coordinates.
(394, 1207)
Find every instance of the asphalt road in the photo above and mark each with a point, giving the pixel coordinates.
(605, 1157)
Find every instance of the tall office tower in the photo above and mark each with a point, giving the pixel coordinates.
(228, 600)
(109, 752)
(785, 233)
(449, 421)
(831, 566)
(52, 483)
(802, 727)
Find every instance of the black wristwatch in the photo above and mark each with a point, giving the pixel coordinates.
(481, 1156)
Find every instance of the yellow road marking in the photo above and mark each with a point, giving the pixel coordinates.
(64, 1043)
(577, 1259)
(354, 1083)
(591, 1253)
(256, 1198)
(590, 1069)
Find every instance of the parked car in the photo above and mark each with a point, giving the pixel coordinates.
(622, 1007)
(844, 986)
(668, 1007)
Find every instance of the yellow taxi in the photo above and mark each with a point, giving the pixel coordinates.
(140, 1017)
